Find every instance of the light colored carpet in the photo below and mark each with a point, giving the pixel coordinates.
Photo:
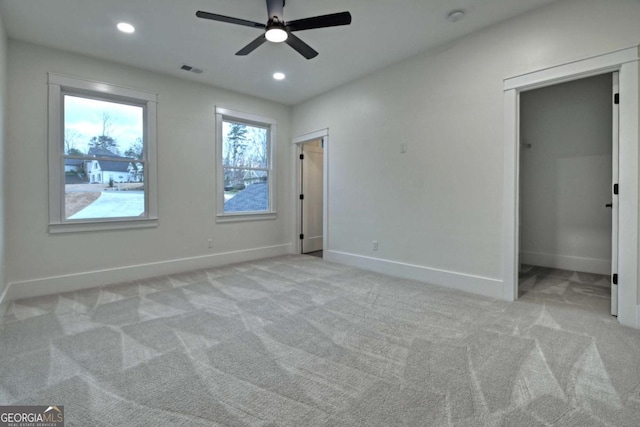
(297, 341)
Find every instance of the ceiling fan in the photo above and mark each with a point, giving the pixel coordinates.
(277, 30)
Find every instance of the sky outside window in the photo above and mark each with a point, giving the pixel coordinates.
(86, 118)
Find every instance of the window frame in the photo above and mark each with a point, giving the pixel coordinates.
(222, 115)
(61, 85)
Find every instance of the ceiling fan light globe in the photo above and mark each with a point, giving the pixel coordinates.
(276, 35)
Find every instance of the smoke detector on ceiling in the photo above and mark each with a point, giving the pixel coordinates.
(191, 69)
(455, 15)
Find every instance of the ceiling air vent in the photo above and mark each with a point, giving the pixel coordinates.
(191, 69)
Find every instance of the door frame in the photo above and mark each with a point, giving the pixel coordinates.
(624, 61)
(615, 178)
(298, 142)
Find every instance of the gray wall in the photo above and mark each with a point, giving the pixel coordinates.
(3, 103)
(566, 175)
(437, 210)
(39, 262)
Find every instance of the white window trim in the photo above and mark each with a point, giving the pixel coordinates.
(60, 84)
(231, 115)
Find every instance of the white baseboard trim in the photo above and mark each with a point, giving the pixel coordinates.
(92, 279)
(637, 317)
(493, 288)
(585, 265)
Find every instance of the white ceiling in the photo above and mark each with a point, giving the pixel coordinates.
(168, 34)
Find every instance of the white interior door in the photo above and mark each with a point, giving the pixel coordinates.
(312, 184)
(614, 199)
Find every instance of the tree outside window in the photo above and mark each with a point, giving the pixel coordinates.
(245, 163)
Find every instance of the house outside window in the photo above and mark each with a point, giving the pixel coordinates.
(102, 144)
(244, 150)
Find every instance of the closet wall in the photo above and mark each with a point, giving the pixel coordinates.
(566, 163)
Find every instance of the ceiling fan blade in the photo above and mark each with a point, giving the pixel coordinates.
(228, 19)
(252, 46)
(302, 48)
(331, 20)
(275, 8)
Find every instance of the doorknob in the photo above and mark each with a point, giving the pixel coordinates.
(609, 205)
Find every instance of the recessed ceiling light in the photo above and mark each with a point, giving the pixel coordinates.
(279, 76)
(126, 28)
(455, 15)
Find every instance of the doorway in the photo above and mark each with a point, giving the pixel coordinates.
(568, 212)
(625, 61)
(312, 193)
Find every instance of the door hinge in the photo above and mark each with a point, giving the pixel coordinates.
(615, 188)
(615, 279)
(301, 156)
(302, 197)
(616, 98)
(302, 237)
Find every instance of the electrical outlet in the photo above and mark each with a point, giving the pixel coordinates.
(210, 242)
(374, 246)
(403, 147)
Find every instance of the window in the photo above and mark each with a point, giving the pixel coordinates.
(102, 170)
(245, 166)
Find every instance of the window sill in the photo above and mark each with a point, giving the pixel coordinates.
(79, 227)
(222, 218)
